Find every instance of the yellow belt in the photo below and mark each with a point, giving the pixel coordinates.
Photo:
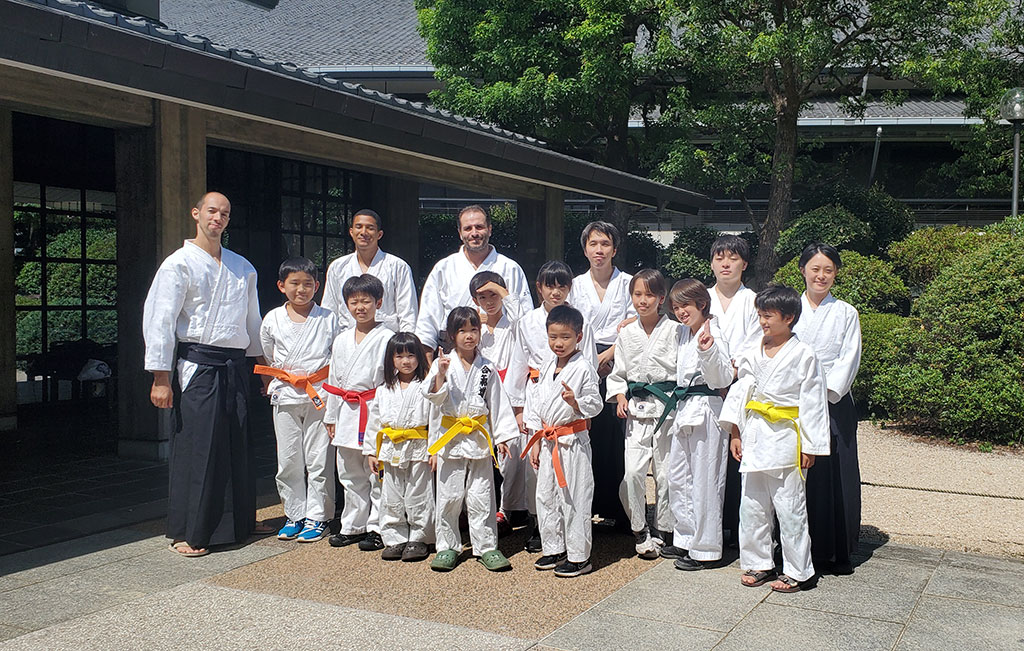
(774, 414)
(462, 425)
(399, 435)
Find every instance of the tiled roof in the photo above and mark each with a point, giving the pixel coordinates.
(308, 33)
(912, 108)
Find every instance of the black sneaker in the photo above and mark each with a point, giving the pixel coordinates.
(345, 539)
(688, 564)
(393, 552)
(415, 551)
(550, 562)
(569, 569)
(533, 545)
(671, 551)
(371, 542)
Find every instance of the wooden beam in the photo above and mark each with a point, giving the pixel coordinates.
(8, 325)
(180, 171)
(554, 224)
(324, 148)
(37, 92)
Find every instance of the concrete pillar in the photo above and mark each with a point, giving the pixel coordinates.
(8, 336)
(540, 230)
(160, 172)
(398, 203)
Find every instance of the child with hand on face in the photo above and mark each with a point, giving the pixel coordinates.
(567, 395)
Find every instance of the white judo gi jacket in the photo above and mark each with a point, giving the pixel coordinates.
(354, 367)
(603, 316)
(739, 324)
(398, 308)
(301, 348)
(398, 409)
(497, 345)
(550, 409)
(531, 351)
(693, 367)
(833, 332)
(639, 358)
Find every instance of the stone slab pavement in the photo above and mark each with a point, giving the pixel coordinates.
(122, 589)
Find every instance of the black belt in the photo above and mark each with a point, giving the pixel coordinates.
(209, 355)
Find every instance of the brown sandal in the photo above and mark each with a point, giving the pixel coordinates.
(792, 585)
(760, 577)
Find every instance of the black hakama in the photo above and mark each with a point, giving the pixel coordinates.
(608, 444)
(833, 492)
(211, 498)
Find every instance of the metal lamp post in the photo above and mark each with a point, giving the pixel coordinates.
(1011, 109)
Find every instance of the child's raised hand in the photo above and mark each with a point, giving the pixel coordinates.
(569, 396)
(443, 363)
(704, 338)
(492, 286)
(374, 464)
(621, 406)
(503, 450)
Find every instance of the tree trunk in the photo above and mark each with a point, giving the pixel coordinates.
(620, 214)
(780, 196)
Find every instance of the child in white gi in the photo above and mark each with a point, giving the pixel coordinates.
(296, 339)
(396, 445)
(357, 369)
(554, 282)
(473, 416)
(499, 312)
(567, 396)
(779, 417)
(699, 450)
(642, 383)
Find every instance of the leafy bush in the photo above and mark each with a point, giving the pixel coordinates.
(926, 252)
(688, 255)
(956, 367)
(865, 282)
(643, 252)
(832, 224)
(876, 331)
(888, 218)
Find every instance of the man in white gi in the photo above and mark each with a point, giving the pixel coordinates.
(202, 319)
(398, 307)
(447, 286)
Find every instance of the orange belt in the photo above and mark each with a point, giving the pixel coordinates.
(362, 397)
(533, 374)
(551, 433)
(302, 381)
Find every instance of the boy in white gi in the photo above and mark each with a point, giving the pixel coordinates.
(642, 384)
(699, 450)
(473, 416)
(397, 440)
(499, 312)
(357, 369)
(567, 395)
(779, 417)
(297, 340)
(531, 350)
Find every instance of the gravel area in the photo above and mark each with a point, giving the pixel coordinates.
(971, 523)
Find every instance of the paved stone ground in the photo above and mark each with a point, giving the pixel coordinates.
(123, 590)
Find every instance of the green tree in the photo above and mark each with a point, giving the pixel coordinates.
(753, 64)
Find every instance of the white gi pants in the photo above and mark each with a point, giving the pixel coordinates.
(514, 478)
(407, 504)
(563, 514)
(781, 494)
(362, 492)
(696, 488)
(305, 464)
(644, 447)
(472, 481)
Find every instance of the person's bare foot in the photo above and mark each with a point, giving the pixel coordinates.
(263, 529)
(182, 548)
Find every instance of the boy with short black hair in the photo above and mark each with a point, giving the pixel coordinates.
(357, 369)
(531, 350)
(778, 413)
(296, 339)
(567, 395)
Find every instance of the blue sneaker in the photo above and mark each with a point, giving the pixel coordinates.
(312, 532)
(290, 529)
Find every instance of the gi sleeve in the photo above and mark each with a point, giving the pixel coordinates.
(160, 313)
(332, 290)
(267, 338)
(587, 345)
(253, 319)
(373, 427)
(588, 392)
(501, 418)
(734, 408)
(333, 408)
(616, 380)
(840, 377)
(405, 297)
(813, 418)
(518, 368)
(715, 364)
(428, 323)
(521, 288)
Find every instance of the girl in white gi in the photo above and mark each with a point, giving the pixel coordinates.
(641, 383)
(700, 449)
(397, 445)
(732, 305)
(473, 417)
(567, 395)
(357, 369)
(777, 412)
(531, 350)
(602, 297)
(499, 312)
(832, 328)
(297, 340)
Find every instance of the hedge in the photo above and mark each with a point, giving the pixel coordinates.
(865, 282)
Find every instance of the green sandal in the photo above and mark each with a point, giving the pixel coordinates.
(445, 561)
(495, 561)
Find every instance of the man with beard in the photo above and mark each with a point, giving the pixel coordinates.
(447, 286)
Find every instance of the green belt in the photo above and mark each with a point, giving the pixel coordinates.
(668, 393)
